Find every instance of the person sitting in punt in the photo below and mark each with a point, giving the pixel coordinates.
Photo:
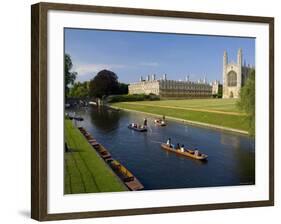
(178, 146)
(169, 142)
(182, 148)
(196, 152)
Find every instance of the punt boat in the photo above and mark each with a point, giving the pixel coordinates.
(103, 152)
(76, 118)
(160, 122)
(125, 175)
(187, 152)
(137, 127)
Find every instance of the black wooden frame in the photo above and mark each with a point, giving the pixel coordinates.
(39, 110)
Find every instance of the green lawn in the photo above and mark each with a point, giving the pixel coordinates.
(85, 171)
(228, 105)
(221, 112)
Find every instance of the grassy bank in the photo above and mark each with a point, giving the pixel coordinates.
(219, 112)
(85, 171)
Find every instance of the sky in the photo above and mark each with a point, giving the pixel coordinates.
(134, 54)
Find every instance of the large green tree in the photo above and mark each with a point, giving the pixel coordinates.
(103, 84)
(246, 101)
(79, 90)
(69, 76)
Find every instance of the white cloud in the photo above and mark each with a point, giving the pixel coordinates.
(152, 64)
(85, 69)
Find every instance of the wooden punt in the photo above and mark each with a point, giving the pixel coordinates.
(139, 129)
(79, 118)
(76, 118)
(89, 137)
(99, 148)
(92, 140)
(159, 122)
(103, 152)
(83, 132)
(188, 152)
(95, 145)
(126, 176)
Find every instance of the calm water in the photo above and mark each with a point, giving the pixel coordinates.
(231, 158)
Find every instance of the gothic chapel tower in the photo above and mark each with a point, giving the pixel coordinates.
(232, 76)
(239, 68)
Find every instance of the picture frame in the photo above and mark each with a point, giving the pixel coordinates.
(40, 156)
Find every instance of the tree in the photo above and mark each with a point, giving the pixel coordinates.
(79, 90)
(69, 76)
(103, 84)
(122, 88)
(246, 101)
(219, 95)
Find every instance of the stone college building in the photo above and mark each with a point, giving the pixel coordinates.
(170, 88)
(234, 77)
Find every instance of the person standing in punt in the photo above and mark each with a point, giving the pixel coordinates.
(145, 122)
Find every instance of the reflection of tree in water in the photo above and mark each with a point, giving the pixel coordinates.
(232, 140)
(105, 119)
(243, 154)
(246, 158)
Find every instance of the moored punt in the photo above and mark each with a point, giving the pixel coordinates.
(137, 128)
(103, 152)
(89, 137)
(129, 179)
(187, 152)
(92, 141)
(76, 118)
(160, 122)
(95, 145)
(79, 118)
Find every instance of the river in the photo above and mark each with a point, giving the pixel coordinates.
(231, 156)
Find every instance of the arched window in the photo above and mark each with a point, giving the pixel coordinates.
(232, 78)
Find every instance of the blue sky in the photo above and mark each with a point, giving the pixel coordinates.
(132, 54)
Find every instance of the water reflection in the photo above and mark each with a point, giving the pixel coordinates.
(230, 140)
(107, 119)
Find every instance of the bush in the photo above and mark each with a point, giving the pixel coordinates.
(132, 97)
(215, 95)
